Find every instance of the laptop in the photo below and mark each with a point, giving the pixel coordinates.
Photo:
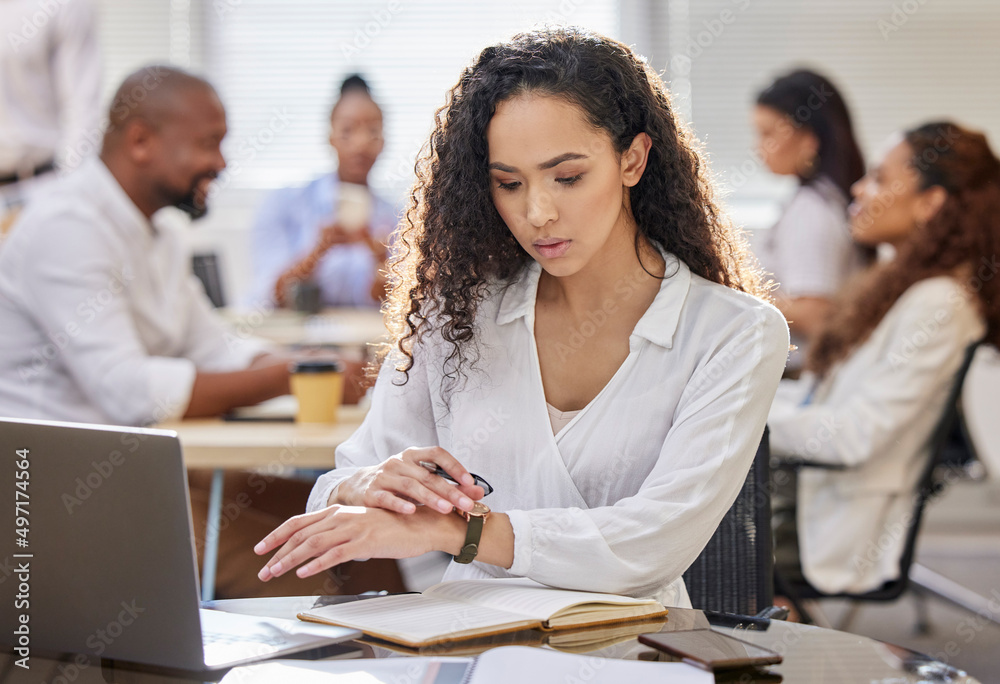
(99, 556)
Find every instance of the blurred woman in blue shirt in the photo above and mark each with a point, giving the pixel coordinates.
(332, 233)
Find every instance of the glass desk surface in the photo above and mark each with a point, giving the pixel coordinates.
(810, 653)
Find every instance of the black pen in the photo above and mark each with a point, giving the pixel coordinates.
(438, 470)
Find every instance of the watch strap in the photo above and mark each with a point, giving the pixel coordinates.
(473, 534)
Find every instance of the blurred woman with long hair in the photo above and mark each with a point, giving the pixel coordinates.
(804, 130)
(882, 365)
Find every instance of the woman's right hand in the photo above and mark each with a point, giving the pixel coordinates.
(400, 483)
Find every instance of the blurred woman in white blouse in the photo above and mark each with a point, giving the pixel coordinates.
(883, 364)
(574, 321)
(804, 130)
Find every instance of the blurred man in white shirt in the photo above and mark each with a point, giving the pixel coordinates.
(50, 83)
(104, 322)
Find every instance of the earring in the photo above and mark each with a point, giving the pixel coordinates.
(810, 166)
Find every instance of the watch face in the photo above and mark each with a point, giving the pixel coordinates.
(479, 509)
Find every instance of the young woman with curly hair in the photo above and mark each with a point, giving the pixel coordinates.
(575, 321)
(882, 366)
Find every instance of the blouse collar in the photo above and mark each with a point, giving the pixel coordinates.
(657, 325)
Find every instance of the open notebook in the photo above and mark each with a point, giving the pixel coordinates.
(466, 609)
(582, 640)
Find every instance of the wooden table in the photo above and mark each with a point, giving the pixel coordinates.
(246, 445)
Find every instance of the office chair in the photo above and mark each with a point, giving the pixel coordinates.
(206, 268)
(952, 452)
(733, 574)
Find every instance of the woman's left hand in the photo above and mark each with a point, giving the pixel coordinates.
(338, 534)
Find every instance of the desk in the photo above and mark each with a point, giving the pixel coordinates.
(339, 327)
(216, 443)
(244, 445)
(812, 655)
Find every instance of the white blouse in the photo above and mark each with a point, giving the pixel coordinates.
(624, 498)
(810, 251)
(873, 413)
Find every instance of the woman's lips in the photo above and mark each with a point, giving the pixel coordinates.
(552, 248)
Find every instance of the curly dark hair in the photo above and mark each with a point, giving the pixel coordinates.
(453, 245)
(964, 232)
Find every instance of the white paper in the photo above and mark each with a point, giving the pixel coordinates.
(519, 664)
(362, 671)
(526, 665)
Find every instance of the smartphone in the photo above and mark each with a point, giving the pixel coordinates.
(710, 650)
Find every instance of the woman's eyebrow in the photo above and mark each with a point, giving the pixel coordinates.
(555, 161)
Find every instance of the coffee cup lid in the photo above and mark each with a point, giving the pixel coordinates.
(317, 367)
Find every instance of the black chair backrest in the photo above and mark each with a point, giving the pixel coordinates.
(950, 427)
(206, 268)
(733, 574)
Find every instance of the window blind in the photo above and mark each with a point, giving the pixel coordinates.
(279, 66)
(898, 62)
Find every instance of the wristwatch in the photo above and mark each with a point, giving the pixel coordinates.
(476, 519)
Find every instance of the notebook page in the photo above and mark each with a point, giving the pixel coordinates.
(523, 596)
(414, 617)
